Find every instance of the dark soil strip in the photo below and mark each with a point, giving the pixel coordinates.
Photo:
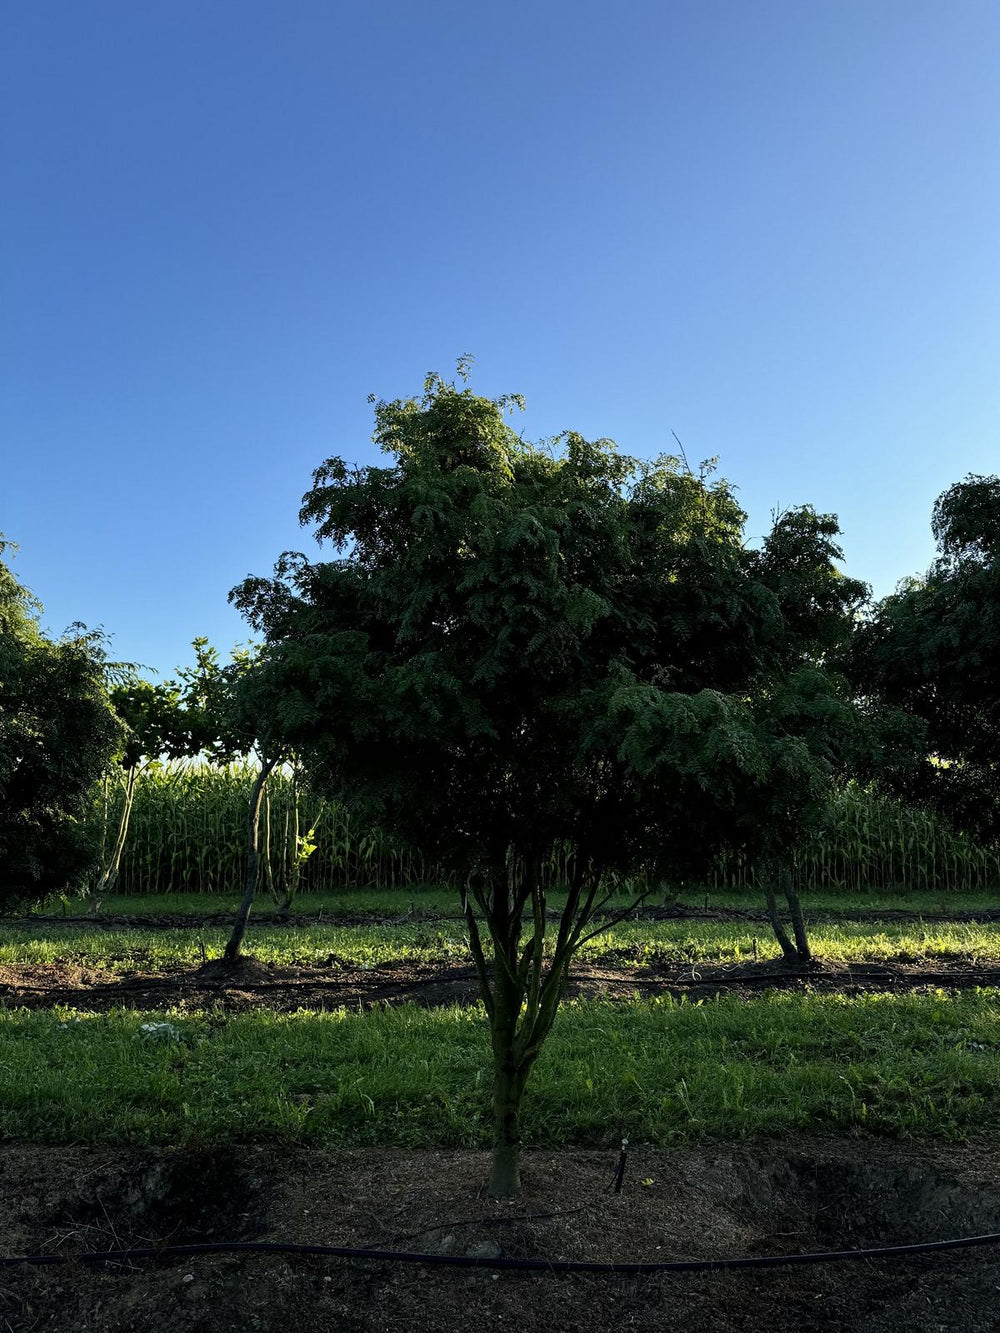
(252, 986)
(686, 1204)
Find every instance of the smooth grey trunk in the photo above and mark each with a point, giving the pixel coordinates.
(512, 1062)
(235, 946)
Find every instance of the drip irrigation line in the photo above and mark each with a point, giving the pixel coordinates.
(502, 1264)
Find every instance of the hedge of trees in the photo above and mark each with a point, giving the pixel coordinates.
(513, 649)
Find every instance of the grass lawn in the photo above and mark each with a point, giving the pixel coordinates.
(656, 1071)
(630, 943)
(431, 899)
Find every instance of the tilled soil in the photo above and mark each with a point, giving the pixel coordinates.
(772, 1199)
(251, 985)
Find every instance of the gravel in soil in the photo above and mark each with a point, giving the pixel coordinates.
(251, 985)
(787, 1197)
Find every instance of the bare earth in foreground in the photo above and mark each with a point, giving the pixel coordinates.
(252, 985)
(792, 1196)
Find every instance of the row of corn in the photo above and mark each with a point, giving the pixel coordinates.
(188, 834)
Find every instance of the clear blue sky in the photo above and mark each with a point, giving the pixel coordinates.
(771, 226)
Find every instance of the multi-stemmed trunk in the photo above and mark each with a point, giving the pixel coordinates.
(521, 989)
(235, 946)
(110, 872)
(796, 952)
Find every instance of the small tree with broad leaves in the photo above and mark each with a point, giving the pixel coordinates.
(521, 648)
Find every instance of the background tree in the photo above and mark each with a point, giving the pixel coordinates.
(521, 648)
(58, 734)
(933, 648)
(234, 713)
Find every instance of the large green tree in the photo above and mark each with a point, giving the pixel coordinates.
(933, 648)
(520, 648)
(58, 734)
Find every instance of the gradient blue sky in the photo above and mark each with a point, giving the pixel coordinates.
(769, 225)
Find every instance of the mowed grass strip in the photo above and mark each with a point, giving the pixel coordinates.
(425, 899)
(660, 1072)
(629, 944)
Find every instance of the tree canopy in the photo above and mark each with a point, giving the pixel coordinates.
(933, 647)
(58, 733)
(523, 647)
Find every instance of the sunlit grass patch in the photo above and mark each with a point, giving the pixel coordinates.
(658, 1071)
(630, 944)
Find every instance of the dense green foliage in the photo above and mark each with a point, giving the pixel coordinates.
(522, 648)
(58, 734)
(188, 835)
(934, 648)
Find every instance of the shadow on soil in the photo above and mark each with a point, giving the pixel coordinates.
(179, 1199)
(687, 1203)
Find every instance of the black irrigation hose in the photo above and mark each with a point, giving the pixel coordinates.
(520, 1265)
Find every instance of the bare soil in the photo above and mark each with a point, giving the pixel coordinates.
(792, 1197)
(251, 985)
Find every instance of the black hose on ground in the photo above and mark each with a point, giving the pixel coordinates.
(501, 1264)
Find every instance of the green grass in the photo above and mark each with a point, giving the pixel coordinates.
(129, 948)
(630, 943)
(433, 899)
(377, 902)
(839, 941)
(658, 1072)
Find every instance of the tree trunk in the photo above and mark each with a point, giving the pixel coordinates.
(110, 875)
(509, 1078)
(788, 949)
(234, 947)
(291, 881)
(520, 994)
(803, 951)
(268, 868)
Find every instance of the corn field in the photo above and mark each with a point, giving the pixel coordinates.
(873, 842)
(188, 834)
